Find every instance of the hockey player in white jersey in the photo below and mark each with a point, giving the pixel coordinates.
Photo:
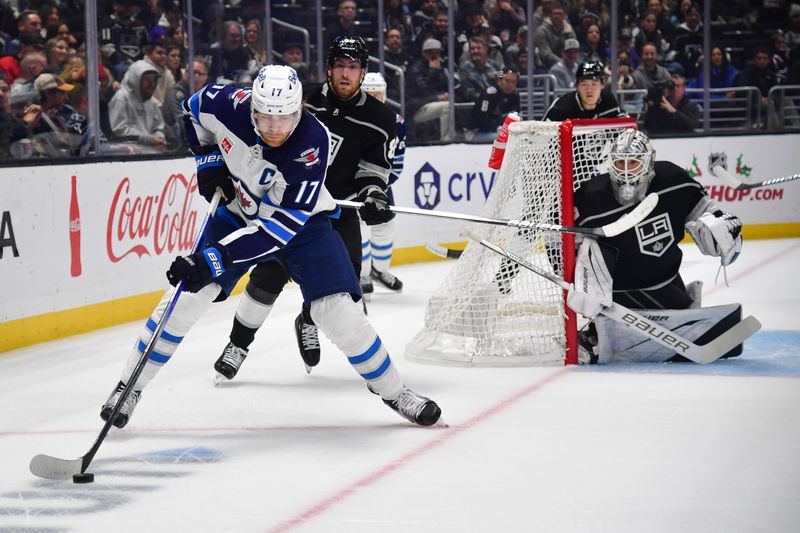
(639, 269)
(377, 241)
(270, 158)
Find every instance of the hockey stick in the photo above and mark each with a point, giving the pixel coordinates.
(622, 224)
(740, 185)
(49, 467)
(441, 251)
(702, 354)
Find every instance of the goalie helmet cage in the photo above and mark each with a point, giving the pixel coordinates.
(490, 312)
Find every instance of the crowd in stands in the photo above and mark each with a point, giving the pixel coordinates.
(143, 63)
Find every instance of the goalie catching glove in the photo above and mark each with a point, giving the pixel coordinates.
(376, 207)
(593, 281)
(199, 268)
(212, 172)
(718, 234)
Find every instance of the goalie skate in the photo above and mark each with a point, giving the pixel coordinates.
(415, 408)
(229, 362)
(386, 279)
(307, 342)
(126, 411)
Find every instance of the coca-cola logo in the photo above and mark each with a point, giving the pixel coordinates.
(151, 225)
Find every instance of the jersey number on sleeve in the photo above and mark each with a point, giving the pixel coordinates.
(312, 188)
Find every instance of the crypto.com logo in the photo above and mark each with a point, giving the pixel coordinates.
(427, 187)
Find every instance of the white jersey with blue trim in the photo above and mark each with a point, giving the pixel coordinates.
(277, 189)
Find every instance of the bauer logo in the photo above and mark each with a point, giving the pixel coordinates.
(427, 187)
(655, 235)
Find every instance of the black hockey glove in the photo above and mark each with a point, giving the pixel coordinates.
(199, 268)
(212, 172)
(376, 207)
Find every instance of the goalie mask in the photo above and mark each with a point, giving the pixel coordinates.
(276, 103)
(632, 160)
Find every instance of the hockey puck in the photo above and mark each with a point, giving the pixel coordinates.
(86, 477)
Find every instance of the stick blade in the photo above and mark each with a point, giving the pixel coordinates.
(48, 467)
(708, 353)
(725, 176)
(629, 220)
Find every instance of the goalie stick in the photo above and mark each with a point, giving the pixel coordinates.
(702, 354)
(49, 467)
(442, 251)
(740, 185)
(622, 224)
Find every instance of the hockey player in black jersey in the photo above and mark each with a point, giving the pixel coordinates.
(588, 100)
(639, 269)
(362, 131)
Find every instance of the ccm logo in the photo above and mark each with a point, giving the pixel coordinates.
(209, 159)
(215, 263)
(651, 331)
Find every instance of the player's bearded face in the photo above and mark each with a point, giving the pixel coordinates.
(275, 129)
(345, 77)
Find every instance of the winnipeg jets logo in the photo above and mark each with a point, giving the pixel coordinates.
(310, 157)
(246, 202)
(655, 235)
(336, 142)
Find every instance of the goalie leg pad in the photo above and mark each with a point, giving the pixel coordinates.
(618, 343)
(343, 322)
(188, 309)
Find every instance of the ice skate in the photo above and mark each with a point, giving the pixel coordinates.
(386, 279)
(126, 411)
(415, 408)
(366, 288)
(229, 362)
(307, 342)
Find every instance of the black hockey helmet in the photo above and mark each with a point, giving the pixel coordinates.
(590, 70)
(350, 47)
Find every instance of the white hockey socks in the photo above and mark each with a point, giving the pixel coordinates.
(382, 245)
(188, 310)
(366, 251)
(343, 322)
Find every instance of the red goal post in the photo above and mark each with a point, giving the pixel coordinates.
(488, 311)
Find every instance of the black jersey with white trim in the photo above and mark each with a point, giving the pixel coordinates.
(649, 255)
(568, 106)
(363, 140)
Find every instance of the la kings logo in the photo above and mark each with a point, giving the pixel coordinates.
(655, 235)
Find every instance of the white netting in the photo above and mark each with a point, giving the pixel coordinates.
(488, 311)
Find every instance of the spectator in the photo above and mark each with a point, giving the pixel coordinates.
(564, 70)
(428, 88)
(10, 65)
(478, 73)
(256, 43)
(550, 36)
(133, 113)
(422, 19)
(593, 47)
(506, 18)
(681, 9)
(62, 30)
(495, 50)
(344, 25)
(155, 53)
(494, 104)
(171, 110)
(437, 31)
(174, 61)
(122, 37)
(292, 56)
(473, 20)
(49, 14)
(758, 74)
(663, 22)
(519, 45)
(75, 74)
(397, 15)
(778, 57)
(599, 8)
(230, 60)
(23, 89)
(28, 21)
(176, 35)
(624, 43)
(12, 129)
(56, 51)
(688, 41)
(394, 53)
(632, 104)
(648, 32)
(792, 34)
(650, 72)
(722, 74)
(674, 113)
(58, 122)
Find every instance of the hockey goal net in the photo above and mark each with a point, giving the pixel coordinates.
(490, 312)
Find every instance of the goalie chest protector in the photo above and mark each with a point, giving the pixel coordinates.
(648, 253)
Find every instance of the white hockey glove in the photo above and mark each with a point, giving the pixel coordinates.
(718, 234)
(593, 282)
